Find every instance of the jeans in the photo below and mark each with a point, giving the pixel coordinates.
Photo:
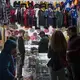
(57, 75)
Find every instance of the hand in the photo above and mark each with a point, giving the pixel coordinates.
(15, 78)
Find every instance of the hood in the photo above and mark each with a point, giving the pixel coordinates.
(8, 46)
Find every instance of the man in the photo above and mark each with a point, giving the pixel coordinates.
(73, 53)
(21, 49)
(43, 44)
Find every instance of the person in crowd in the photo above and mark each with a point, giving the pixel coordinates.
(12, 38)
(15, 57)
(43, 44)
(21, 48)
(57, 55)
(73, 52)
(7, 70)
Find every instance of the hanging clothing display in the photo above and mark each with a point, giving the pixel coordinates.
(31, 14)
(44, 14)
(59, 19)
(41, 18)
(25, 18)
(74, 17)
(18, 15)
(37, 17)
(54, 19)
(22, 16)
(49, 13)
(13, 17)
(65, 18)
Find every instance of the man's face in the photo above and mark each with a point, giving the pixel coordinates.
(69, 33)
(41, 35)
(22, 34)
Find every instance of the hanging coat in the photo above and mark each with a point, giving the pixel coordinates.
(37, 17)
(59, 20)
(13, 17)
(18, 16)
(31, 14)
(25, 18)
(41, 18)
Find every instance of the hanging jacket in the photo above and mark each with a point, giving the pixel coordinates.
(59, 19)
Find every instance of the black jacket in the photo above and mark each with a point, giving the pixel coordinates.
(43, 45)
(21, 45)
(56, 61)
(74, 49)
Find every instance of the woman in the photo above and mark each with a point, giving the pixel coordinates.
(7, 70)
(57, 53)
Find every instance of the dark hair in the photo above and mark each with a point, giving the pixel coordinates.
(12, 38)
(42, 32)
(72, 29)
(8, 46)
(58, 41)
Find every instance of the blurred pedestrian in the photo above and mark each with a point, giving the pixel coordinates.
(57, 53)
(43, 44)
(73, 53)
(21, 48)
(7, 69)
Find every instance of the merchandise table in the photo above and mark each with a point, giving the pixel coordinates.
(35, 67)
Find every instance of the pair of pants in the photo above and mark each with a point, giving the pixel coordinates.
(20, 66)
(57, 75)
(75, 67)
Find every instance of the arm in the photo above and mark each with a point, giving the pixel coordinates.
(49, 52)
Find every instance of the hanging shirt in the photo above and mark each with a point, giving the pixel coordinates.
(31, 12)
(49, 13)
(74, 14)
(12, 19)
(41, 17)
(59, 20)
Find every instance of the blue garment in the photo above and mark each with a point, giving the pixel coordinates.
(49, 15)
(74, 17)
(74, 14)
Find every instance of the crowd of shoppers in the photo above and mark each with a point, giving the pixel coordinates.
(63, 55)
